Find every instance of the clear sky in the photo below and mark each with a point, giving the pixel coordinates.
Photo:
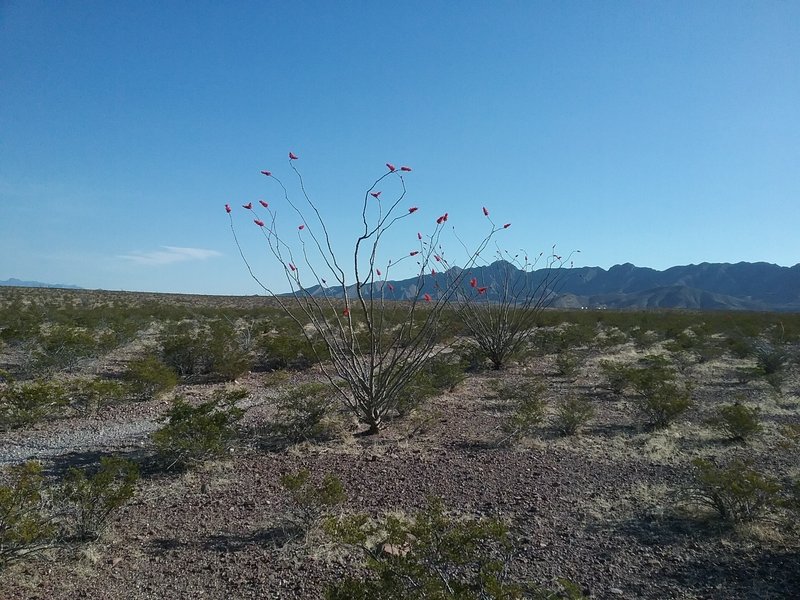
(657, 133)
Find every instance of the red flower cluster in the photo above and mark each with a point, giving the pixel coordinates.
(292, 156)
(346, 312)
(258, 222)
(473, 282)
(485, 212)
(507, 225)
(481, 290)
(407, 169)
(292, 267)
(374, 194)
(442, 219)
(301, 227)
(390, 166)
(248, 206)
(413, 209)
(228, 208)
(427, 297)
(267, 173)
(414, 252)
(264, 204)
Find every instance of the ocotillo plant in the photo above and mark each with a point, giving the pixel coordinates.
(375, 346)
(502, 320)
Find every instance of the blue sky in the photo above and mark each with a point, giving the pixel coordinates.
(657, 133)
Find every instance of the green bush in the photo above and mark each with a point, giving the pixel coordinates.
(528, 407)
(567, 364)
(87, 395)
(312, 501)
(431, 555)
(615, 375)
(285, 352)
(63, 347)
(572, 413)
(25, 526)
(148, 377)
(203, 352)
(302, 413)
(737, 492)
(438, 375)
(23, 404)
(194, 434)
(737, 421)
(91, 499)
(659, 398)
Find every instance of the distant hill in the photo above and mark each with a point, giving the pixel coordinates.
(36, 284)
(707, 286)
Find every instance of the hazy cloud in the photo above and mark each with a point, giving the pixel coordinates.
(169, 255)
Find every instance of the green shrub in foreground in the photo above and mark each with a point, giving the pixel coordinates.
(737, 492)
(432, 555)
(312, 501)
(90, 499)
(148, 377)
(23, 404)
(302, 413)
(738, 421)
(25, 526)
(528, 407)
(194, 434)
(572, 413)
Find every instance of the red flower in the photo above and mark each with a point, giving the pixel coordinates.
(414, 253)
(374, 194)
(437, 257)
(390, 166)
(228, 208)
(301, 227)
(258, 222)
(507, 225)
(485, 212)
(473, 282)
(264, 204)
(378, 271)
(427, 297)
(433, 272)
(413, 209)
(406, 169)
(267, 173)
(445, 216)
(346, 312)
(419, 235)
(390, 286)
(292, 267)
(248, 206)
(440, 220)
(292, 156)
(481, 290)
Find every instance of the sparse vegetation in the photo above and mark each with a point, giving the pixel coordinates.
(527, 409)
(738, 421)
(194, 434)
(572, 413)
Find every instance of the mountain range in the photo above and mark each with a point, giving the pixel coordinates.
(707, 286)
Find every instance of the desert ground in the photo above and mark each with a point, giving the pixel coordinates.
(612, 508)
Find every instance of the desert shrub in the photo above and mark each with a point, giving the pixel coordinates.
(91, 499)
(207, 351)
(473, 358)
(63, 347)
(438, 375)
(6, 377)
(737, 492)
(431, 554)
(26, 527)
(194, 434)
(572, 413)
(23, 404)
(528, 407)
(148, 377)
(770, 358)
(659, 398)
(615, 376)
(312, 501)
(738, 421)
(285, 352)
(567, 364)
(739, 346)
(88, 395)
(302, 413)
